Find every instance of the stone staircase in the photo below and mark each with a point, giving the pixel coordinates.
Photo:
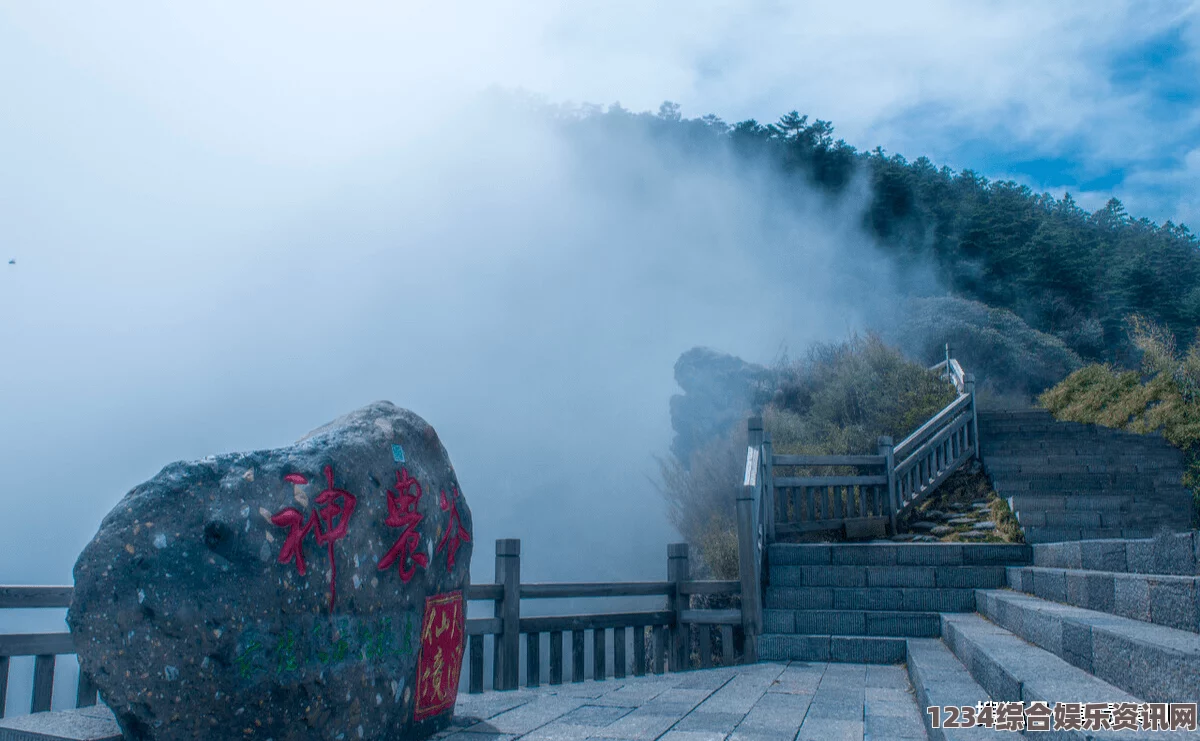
(1067, 481)
(861, 602)
(1081, 621)
(1087, 621)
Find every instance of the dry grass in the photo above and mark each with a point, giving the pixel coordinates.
(1006, 522)
(718, 545)
(965, 486)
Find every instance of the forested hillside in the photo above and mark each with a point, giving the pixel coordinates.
(1066, 272)
(1030, 289)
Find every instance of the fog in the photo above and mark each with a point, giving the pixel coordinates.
(222, 243)
(523, 284)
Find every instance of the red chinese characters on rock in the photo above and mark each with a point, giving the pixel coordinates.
(331, 504)
(402, 512)
(455, 533)
(440, 659)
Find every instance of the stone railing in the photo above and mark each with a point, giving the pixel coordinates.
(673, 637)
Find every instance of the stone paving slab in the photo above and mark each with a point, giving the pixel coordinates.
(769, 701)
(83, 724)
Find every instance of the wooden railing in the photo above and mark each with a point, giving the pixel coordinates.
(651, 641)
(833, 501)
(870, 497)
(44, 647)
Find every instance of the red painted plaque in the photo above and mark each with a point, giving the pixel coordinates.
(442, 634)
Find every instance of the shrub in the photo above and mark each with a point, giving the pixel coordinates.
(700, 500)
(843, 396)
(1006, 355)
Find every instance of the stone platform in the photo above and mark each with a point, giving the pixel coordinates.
(761, 702)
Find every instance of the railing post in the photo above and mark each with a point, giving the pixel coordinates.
(969, 382)
(768, 483)
(754, 430)
(748, 560)
(886, 450)
(677, 572)
(506, 660)
(764, 516)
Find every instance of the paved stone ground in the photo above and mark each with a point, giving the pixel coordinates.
(762, 702)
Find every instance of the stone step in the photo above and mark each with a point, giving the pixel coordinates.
(1011, 669)
(960, 577)
(1033, 420)
(1043, 466)
(1041, 456)
(851, 622)
(1166, 488)
(1150, 661)
(1040, 416)
(1050, 446)
(1177, 554)
(1163, 494)
(1145, 519)
(1107, 455)
(939, 679)
(1115, 450)
(1060, 430)
(892, 554)
(1037, 535)
(1134, 481)
(1101, 482)
(1050, 459)
(1019, 412)
(917, 599)
(1076, 518)
(1113, 455)
(838, 648)
(1092, 501)
(1173, 601)
(1066, 503)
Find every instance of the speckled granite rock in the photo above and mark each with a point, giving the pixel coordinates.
(309, 592)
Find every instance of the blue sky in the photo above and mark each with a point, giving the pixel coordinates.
(1100, 105)
(1161, 71)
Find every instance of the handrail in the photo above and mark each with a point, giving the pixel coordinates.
(933, 425)
(830, 460)
(932, 441)
(903, 474)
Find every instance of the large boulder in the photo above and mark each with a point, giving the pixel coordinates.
(310, 592)
(720, 390)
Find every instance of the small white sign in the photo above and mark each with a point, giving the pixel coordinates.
(751, 466)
